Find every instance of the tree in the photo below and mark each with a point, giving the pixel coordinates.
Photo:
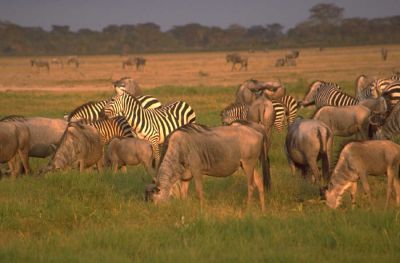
(326, 13)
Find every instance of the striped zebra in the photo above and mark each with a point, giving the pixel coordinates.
(392, 94)
(291, 107)
(239, 111)
(391, 126)
(113, 127)
(93, 110)
(153, 125)
(382, 84)
(327, 94)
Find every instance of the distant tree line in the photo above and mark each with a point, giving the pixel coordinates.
(324, 27)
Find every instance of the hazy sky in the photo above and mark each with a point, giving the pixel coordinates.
(96, 14)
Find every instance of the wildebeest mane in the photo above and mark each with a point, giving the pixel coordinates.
(13, 118)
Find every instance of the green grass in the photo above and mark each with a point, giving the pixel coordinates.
(91, 217)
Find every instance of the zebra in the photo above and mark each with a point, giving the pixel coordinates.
(235, 58)
(40, 64)
(73, 60)
(380, 85)
(291, 107)
(239, 111)
(327, 94)
(93, 110)
(153, 125)
(391, 125)
(113, 127)
(392, 94)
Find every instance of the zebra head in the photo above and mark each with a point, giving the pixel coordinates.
(309, 97)
(114, 107)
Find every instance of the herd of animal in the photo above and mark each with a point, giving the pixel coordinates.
(131, 128)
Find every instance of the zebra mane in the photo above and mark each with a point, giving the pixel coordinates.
(89, 103)
(232, 106)
(329, 85)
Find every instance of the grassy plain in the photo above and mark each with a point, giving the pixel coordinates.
(90, 217)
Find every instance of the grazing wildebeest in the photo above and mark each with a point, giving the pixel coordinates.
(40, 64)
(307, 142)
(359, 159)
(73, 60)
(139, 63)
(79, 146)
(280, 62)
(14, 142)
(345, 121)
(130, 151)
(129, 85)
(236, 58)
(195, 150)
(45, 133)
(274, 90)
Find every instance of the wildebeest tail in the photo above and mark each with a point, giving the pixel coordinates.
(265, 165)
(323, 136)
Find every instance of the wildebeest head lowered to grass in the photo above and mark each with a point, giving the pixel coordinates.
(79, 146)
(195, 150)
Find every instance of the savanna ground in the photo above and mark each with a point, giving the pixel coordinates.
(89, 217)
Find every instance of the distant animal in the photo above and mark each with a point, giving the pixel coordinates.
(45, 133)
(294, 54)
(384, 54)
(94, 110)
(359, 159)
(307, 142)
(80, 146)
(14, 142)
(73, 60)
(195, 150)
(40, 64)
(130, 151)
(138, 62)
(327, 94)
(57, 61)
(280, 62)
(129, 85)
(345, 121)
(236, 58)
(152, 125)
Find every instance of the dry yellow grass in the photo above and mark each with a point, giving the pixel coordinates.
(193, 69)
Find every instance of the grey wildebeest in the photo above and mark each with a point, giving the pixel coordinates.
(195, 150)
(359, 159)
(73, 60)
(80, 146)
(129, 85)
(236, 58)
(14, 142)
(307, 142)
(45, 133)
(130, 151)
(40, 64)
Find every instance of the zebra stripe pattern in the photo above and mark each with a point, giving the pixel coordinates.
(291, 106)
(113, 127)
(391, 127)
(92, 110)
(152, 125)
(239, 111)
(392, 94)
(329, 94)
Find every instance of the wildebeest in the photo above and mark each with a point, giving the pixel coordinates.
(45, 133)
(307, 142)
(79, 146)
(236, 58)
(359, 159)
(345, 121)
(40, 64)
(130, 151)
(14, 142)
(138, 62)
(73, 60)
(251, 89)
(129, 85)
(57, 61)
(195, 150)
(280, 62)
(274, 90)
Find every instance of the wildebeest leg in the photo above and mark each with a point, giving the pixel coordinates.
(25, 160)
(353, 192)
(233, 66)
(397, 188)
(184, 188)
(13, 164)
(292, 168)
(199, 188)
(316, 176)
(390, 181)
(100, 165)
(366, 187)
(249, 169)
(260, 187)
(123, 169)
(81, 165)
